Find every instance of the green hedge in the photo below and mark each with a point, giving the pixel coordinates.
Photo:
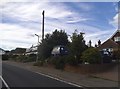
(58, 62)
(5, 57)
(92, 56)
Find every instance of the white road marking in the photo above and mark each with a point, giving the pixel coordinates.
(5, 82)
(59, 79)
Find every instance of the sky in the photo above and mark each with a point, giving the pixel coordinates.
(20, 21)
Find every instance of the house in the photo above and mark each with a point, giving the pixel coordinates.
(18, 51)
(32, 50)
(112, 44)
(2, 51)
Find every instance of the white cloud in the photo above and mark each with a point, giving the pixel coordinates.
(17, 36)
(33, 11)
(91, 33)
(76, 19)
(14, 35)
(114, 21)
(85, 6)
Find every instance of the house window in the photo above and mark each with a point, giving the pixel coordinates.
(108, 49)
(117, 39)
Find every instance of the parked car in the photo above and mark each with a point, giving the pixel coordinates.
(106, 56)
(59, 50)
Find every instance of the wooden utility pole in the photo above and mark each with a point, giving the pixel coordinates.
(43, 25)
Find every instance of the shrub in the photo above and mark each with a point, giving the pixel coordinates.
(32, 57)
(5, 57)
(13, 57)
(91, 55)
(22, 58)
(71, 60)
(26, 58)
(39, 63)
(58, 62)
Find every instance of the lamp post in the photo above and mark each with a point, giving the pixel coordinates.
(37, 47)
(38, 37)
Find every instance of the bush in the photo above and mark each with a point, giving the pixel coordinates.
(5, 57)
(58, 61)
(92, 56)
(26, 58)
(32, 57)
(39, 63)
(22, 58)
(71, 60)
(13, 57)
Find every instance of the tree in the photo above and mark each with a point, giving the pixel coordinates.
(91, 55)
(77, 45)
(51, 40)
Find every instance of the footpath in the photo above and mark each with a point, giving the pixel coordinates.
(85, 80)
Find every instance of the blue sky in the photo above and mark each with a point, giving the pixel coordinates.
(21, 20)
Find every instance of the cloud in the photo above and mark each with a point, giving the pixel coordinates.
(16, 35)
(91, 32)
(114, 21)
(76, 19)
(85, 6)
(28, 18)
(32, 11)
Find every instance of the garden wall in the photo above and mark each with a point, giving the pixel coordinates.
(89, 68)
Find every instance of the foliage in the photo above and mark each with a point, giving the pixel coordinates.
(27, 58)
(39, 63)
(71, 60)
(5, 57)
(51, 40)
(13, 57)
(91, 55)
(58, 61)
(59, 64)
(22, 58)
(77, 46)
(32, 57)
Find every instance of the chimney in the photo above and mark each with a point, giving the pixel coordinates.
(99, 43)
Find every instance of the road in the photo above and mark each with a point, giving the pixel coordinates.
(18, 77)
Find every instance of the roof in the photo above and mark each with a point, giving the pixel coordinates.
(1, 49)
(117, 33)
(109, 44)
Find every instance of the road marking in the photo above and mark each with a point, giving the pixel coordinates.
(4, 82)
(59, 79)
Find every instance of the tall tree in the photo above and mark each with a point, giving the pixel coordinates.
(77, 45)
(51, 40)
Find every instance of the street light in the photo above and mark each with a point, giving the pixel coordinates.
(37, 46)
(38, 38)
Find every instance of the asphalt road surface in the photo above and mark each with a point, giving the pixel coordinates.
(19, 77)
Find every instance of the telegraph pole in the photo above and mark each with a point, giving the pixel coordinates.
(43, 25)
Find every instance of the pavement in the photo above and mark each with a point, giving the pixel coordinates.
(75, 78)
(111, 74)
